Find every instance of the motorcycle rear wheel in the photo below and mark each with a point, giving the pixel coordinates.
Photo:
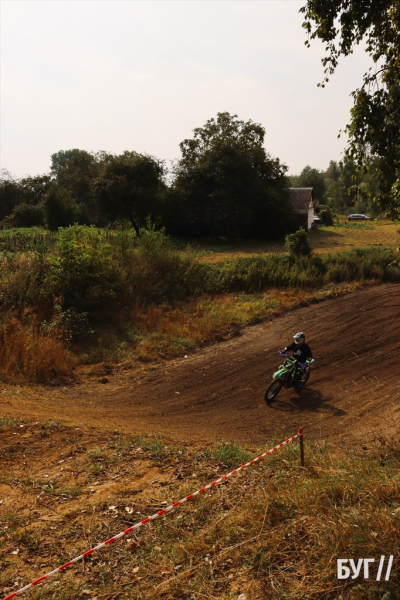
(273, 390)
(300, 385)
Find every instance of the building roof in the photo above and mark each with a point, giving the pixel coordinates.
(302, 199)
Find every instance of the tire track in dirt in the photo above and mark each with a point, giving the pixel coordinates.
(217, 392)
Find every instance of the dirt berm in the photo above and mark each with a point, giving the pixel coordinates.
(218, 392)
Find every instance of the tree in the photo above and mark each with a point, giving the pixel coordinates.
(73, 171)
(34, 189)
(129, 186)
(60, 209)
(351, 190)
(227, 185)
(28, 215)
(10, 194)
(374, 128)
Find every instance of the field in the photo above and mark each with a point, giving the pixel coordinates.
(86, 457)
(337, 238)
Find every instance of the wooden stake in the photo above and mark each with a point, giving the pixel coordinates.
(300, 434)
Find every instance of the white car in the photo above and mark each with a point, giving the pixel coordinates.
(359, 218)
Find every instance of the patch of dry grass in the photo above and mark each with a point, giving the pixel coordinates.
(322, 240)
(163, 331)
(338, 239)
(273, 532)
(28, 354)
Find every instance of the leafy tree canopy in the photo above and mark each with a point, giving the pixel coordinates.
(226, 184)
(310, 177)
(129, 186)
(28, 215)
(60, 209)
(34, 189)
(10, 194)
(374, 129)
(28, 193)
(73, 170)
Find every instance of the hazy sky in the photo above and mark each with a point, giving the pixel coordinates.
(141, 75)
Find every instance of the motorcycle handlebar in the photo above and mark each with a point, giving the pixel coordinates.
(302, 365)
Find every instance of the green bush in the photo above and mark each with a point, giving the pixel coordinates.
(83, 271)
(326, 216)
(90, 273)
(158, 272)
(298, 243)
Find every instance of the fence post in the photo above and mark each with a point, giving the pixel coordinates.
(300, 434)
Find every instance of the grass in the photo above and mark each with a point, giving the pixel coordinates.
(273, 532)
(23, 240)
(345, 236)
(7, 422)
(155, 447)
(336, 238)
(229, 454)
(61, 491)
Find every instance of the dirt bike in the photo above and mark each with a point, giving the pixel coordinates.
(290, 373)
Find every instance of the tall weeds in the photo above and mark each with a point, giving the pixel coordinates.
(27, 354)
(257, 273)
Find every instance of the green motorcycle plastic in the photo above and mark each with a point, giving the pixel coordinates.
(289, 374)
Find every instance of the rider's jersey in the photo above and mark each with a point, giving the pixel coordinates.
(301, 352)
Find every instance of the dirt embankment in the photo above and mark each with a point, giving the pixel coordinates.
(217, 392)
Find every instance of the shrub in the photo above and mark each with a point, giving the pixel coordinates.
(326, 216)
(298, 243)
(82, 270)
(158, 272)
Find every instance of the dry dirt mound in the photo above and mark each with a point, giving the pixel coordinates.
(217, 393)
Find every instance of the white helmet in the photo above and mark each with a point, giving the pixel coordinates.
(300, 337)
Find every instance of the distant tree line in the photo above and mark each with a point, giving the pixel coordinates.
(225, 184)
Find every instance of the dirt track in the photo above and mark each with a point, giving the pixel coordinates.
(217, 393)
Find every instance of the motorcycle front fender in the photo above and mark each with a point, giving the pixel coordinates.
(282, 373)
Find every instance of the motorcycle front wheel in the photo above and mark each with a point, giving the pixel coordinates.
(273, 390)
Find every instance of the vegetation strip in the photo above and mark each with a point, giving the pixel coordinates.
(153, 517)
(98, 296)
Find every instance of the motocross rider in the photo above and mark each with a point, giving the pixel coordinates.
(301, 350)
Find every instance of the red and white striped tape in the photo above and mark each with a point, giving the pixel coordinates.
(160, 513)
